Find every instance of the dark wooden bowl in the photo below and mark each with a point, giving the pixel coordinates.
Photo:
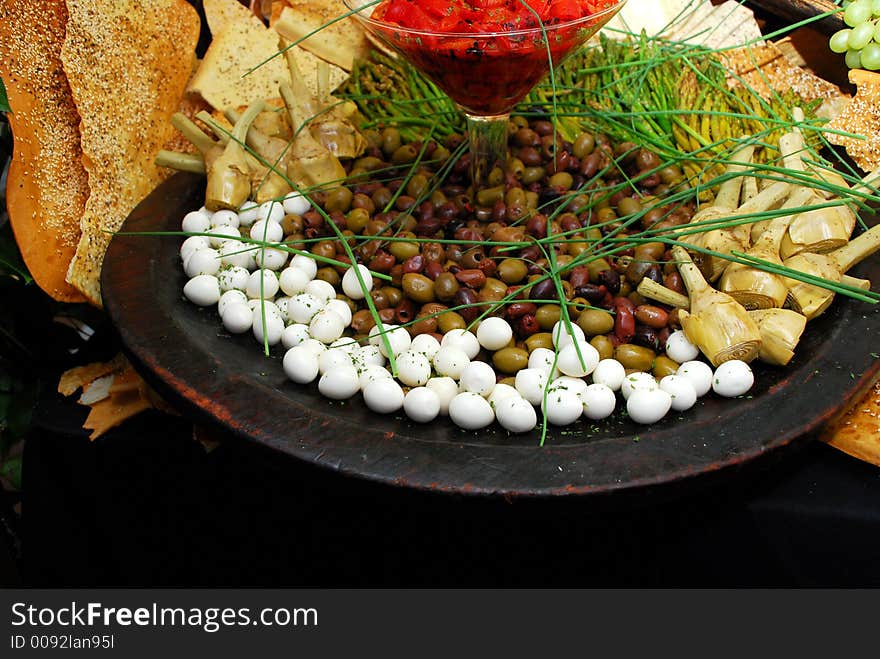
(184, 351)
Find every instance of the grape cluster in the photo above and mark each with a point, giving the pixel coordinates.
(861, 40)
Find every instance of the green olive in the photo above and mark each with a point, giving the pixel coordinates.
(548, 315)
(583, 145)
(402, 249)
(338, 199)
(404, 154)
(391, 140)
(445, 286)
(392, 294)
(561, 180)
(628, 206)
(418, 288)
(417, 186)
(496, 177)
(664, 366)
(635, 357)
(450, 320)
(493, 290)
(488, 196)
(324, 248)
(533, 174)
(368, 163)
(512, 271)
(357, 219)
(595, 321)
(603, 346)
(515, 167)
(510, 360)
(539, 340)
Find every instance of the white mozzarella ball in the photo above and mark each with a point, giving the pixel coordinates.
(577, 359)
(305, 263)
(399, 340)
(366, 355)
(294, 334)
(352, 287)
(413, 368)
(421, 404)
(446, 389)
(682, 391)
(569, 383)
(450, 361)
(340, 383)
(267, 304)
(331, 358)
(238, 318)
(700, 375)
(515, 414)
(544, 358)
(281, 303)
(346, 343)
(733, 378)
(300, 364)
(494, 333)
(598, 400)
(195, 222)
(462, 339)
(205, 261)
(341, 308)
(270, 258)
(225, 218)
(501, 391)
(425, 344)
(237, 254)
(313, 345)
(562, 407)
(323, 290)
(370, 372)
(301, 308)
(231, 297)
(191, 245)
(268, 232)
(470, 411)
(648, 405)
(262, 284)
(635, 381)
(326, 326)
(202, 290)
(233, 278)
(530, 383)
(295, 204)
(223, 234)
(478, 377)
(267, 324)
(271, 211)
(679, 347)
(562, 337)
(293, 280)
(247, 213)
(384, 395)
(609, 372)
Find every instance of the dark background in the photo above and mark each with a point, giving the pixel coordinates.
(147, 506)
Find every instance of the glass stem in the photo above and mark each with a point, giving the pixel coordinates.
(488, 146)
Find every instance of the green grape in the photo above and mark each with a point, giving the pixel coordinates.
(870, 58)
(877, 32)
(839, 41)
(853, 59)
(858, 12)
(860, 36)
(875, 7)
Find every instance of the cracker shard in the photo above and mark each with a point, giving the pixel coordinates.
(47, 183)
(128, 65)
(861, 117)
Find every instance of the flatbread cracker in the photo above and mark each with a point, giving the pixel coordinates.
(47, 184)
(861, 116)
(241, 66)
(341, 43)
(128, 65)
(857, 432)
(221, 13)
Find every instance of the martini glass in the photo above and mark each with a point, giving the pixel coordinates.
(485, 73)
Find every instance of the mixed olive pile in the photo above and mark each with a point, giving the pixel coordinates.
(488, 301)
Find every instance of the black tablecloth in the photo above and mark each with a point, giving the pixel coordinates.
(146, 506)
